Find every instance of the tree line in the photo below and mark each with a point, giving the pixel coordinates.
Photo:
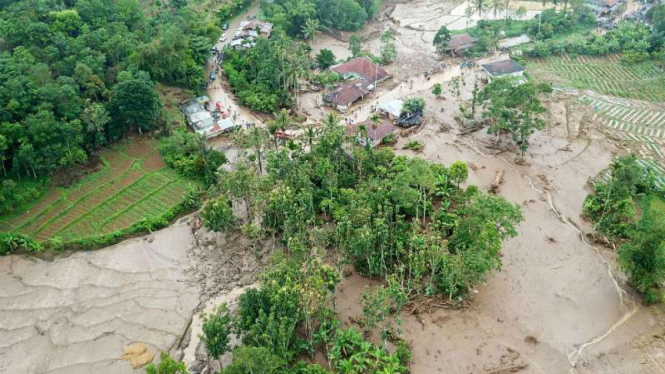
(76, 75)
(301, 18)
(629, 209)
(636, 41)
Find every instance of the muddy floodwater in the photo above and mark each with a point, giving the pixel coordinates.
(558, 304)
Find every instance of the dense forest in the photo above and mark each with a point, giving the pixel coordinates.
(303, 17)
(79, 74)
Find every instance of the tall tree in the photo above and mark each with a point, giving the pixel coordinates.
(388, 49)
(479, 5)
(355, 45)
(325, 59)
(441, 39)
(134, 104)
(497, 5)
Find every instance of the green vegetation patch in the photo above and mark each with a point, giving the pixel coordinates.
(132, 185)
(606, 75)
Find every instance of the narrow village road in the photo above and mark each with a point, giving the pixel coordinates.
(216, 90)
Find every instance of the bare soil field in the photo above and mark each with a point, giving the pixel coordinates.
(558, 305)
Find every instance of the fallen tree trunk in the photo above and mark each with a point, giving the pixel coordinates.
(509, 370)
(497, 181)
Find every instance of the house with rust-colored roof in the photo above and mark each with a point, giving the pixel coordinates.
(342, 97)
(374, 135)
(262, 27)
(460, 43)
(361, 67)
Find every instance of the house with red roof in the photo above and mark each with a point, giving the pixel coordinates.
(363, 68)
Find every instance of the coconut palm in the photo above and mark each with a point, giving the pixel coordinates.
(478, 4)
(256, 139)
(311, 133)
(331, 121)
(375, 124)
(496, 6)
(468, 12)
(309, 28)
(281, 122)
(493, 37)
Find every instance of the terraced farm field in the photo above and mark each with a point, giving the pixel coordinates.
(605, 75)
(133, 184)
(635, 122)
(639, 125)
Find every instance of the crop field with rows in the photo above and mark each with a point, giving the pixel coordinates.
(639, 124)
(606, 75)
(133, 184)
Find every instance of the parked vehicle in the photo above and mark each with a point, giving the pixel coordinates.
(226, 26)
(223, 38)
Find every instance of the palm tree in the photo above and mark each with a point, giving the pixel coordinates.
(281, 122)
(478, 4)
(375, 123)
(493, 37)
(311, 132)
(309, 28)
(468, 12)
(496, 6)
(331, 121)
(256, 139)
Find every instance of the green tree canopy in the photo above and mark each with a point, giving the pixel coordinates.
(325, 59)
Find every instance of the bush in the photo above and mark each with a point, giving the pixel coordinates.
(217, 214)
(216, 331)
(255, 360)
(413, 105)
(188, 155)
(16, 195)
(389, 139)
(643, 256)
(611, 206)
(350, 353)
(167, 365)
(14, 242)
(325, 59)
(414, 145)
(326, 78)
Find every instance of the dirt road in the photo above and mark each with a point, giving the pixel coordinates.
(218, 91)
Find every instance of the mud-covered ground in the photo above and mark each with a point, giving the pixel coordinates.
(76, 313)
(558, 305)
(556, 293)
